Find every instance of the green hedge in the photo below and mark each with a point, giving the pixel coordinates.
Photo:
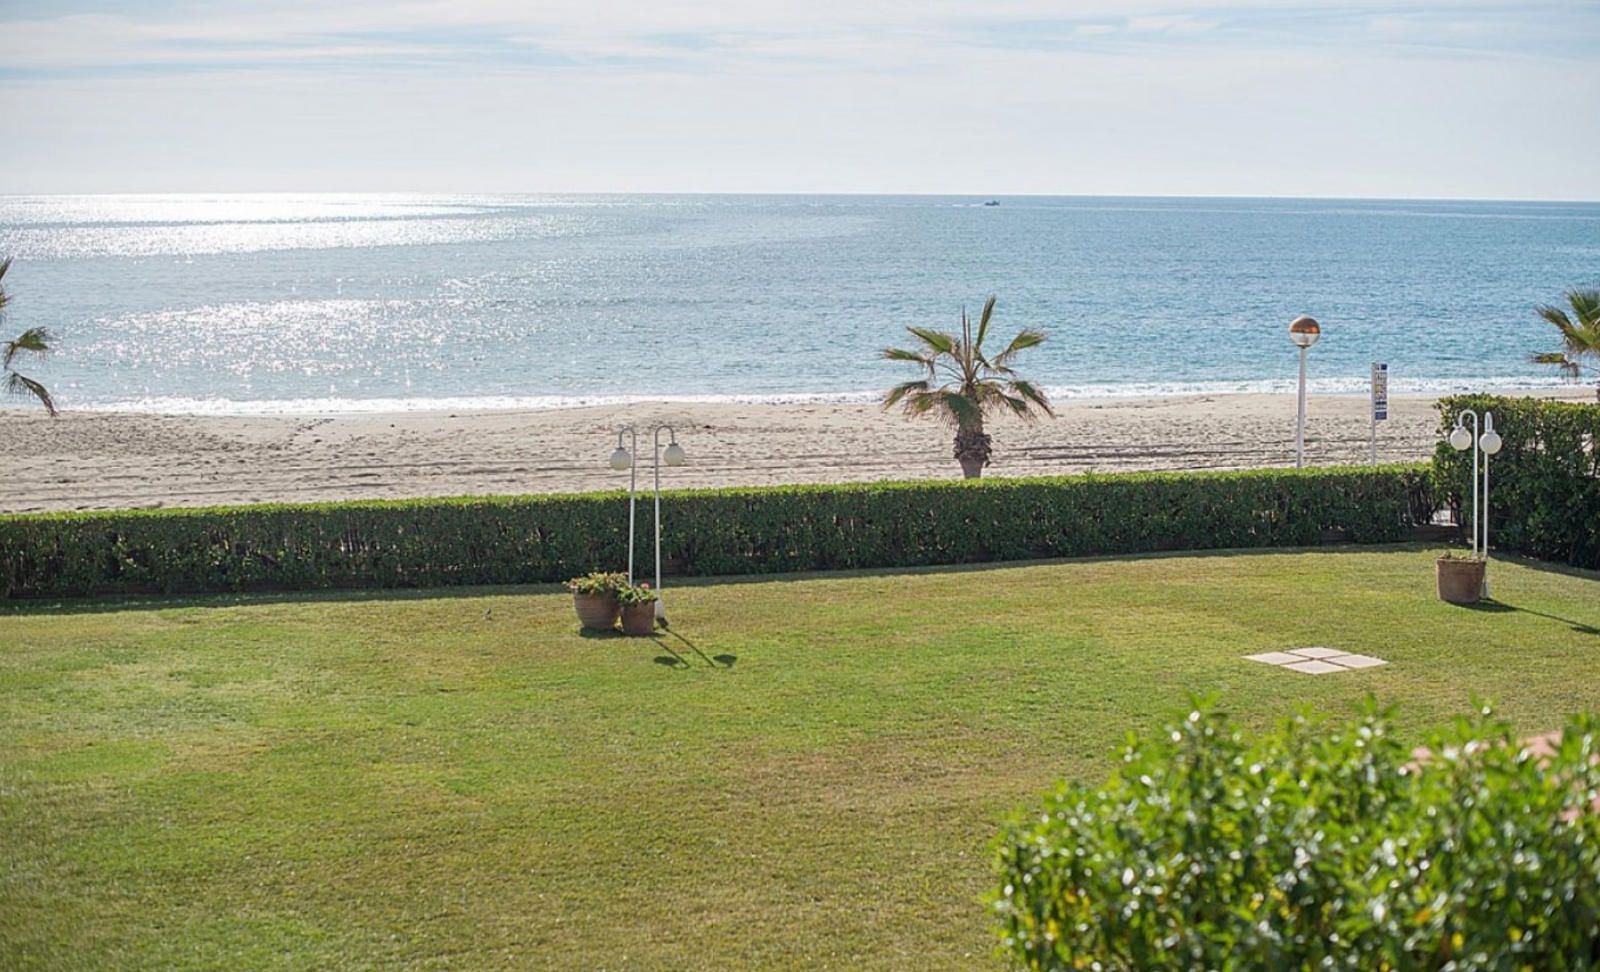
(1544, 486)
(1320, 846)
(421, 543)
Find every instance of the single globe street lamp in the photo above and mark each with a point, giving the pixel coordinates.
(1304, 332)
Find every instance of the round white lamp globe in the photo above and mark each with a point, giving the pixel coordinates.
(674, 455)
(1461, 439)
(620, 459)
(1490, 442)
(1304, 331)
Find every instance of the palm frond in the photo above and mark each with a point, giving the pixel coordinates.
(899, 392)
(1580, 339)
(1025, 339)
(23, 385)
(35, 340)
(1034, 396)
(961, 409)
(923, 402)
(905, 354)
(1586, 304)
(1570, 333)
(983, 324)
(1568, 366)
(937, 340)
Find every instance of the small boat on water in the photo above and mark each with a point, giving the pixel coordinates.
(992, 202)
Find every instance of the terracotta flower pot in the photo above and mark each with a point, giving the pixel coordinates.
(1460, 581)
(639, 619)
(597, 612)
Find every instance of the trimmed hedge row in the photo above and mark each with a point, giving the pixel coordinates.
(529, 539)
(1544, 486)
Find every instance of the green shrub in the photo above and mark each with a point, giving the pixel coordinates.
(1320, 846)
(1544, 486)
(630, 594)
(597, 583)
(529, 539)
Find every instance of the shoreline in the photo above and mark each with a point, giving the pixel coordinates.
(117, 460)
(1080, 394)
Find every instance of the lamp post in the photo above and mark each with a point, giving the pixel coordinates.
(674, 456)
(622, 459)
(1488, 443)
(1303, 331)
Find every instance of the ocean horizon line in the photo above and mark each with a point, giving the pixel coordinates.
(799, 193)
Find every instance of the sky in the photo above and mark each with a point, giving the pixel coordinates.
(1349, 98)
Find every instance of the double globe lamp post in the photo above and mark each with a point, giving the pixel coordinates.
(622, 459)
(1489, 443)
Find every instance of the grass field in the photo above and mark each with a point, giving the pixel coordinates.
(807, 773)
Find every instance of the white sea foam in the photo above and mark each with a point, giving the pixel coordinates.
(172, 405)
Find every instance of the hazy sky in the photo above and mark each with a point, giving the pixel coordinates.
(1185, 97)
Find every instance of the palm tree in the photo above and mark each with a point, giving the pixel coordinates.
(35, 341)
(1580, 339)
(961, 385)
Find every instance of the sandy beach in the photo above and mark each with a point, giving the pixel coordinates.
(90, 460)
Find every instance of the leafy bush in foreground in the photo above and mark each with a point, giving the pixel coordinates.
(753, 530)
(1319, 846)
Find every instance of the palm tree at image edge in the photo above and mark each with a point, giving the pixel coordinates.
(34, 341)
(1580, 338)
(960, 384)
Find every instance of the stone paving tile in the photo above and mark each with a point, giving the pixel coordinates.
(1312, 666)
(1358, 661)
(1274, 658)
(1316, 660)
(1316, 652)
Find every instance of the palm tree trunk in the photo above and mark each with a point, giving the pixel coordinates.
(972, 449)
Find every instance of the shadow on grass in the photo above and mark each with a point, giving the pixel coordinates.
(664, 639)
(1491, 606)
(713, 661)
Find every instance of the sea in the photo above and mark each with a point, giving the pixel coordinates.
(267, 304)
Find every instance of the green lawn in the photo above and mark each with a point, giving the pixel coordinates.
(808, 777)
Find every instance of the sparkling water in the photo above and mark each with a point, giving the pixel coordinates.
(277, 303)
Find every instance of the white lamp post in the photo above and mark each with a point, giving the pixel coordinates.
(674, 456)
(1303, 331)
(622, 459)
(1489, 443)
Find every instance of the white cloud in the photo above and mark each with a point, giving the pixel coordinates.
(1170, 24)
(1148, 96)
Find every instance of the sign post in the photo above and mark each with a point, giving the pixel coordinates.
(1380, 401)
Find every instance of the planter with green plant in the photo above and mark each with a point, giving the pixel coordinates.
(594, 595)
(1460, 579)
(638, 609)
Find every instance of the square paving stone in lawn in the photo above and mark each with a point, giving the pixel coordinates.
(1316, 660)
